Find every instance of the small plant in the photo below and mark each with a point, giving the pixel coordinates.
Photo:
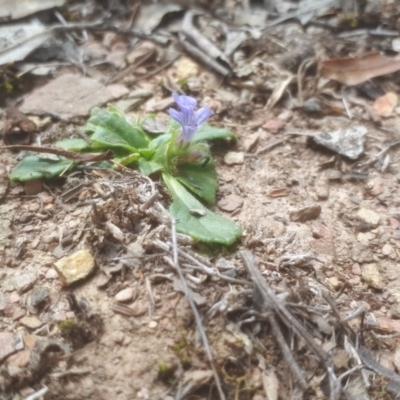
(181, 156)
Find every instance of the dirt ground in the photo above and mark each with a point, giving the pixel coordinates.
(324, 231)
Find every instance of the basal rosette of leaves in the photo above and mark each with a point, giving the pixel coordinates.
(181, 156)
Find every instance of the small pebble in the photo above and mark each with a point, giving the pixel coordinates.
(334, 282)
(356, 270)
(153, 324)
(322, 192)
(369, 217)
(75, 267)
(306, 213)
(14, 297)
(125, 295)
(51, 274)
(387, 249)
(371, 275)
(320, 231)
(234, 158)
(117, 337)
(230, 203)
(102, 281)
(274, 126)
(7, 344)
(39, 296)
(31, 322)
(395, 311)
(24, 282)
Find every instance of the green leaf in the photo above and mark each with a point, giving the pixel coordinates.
(73, 144)
(159, 140)
(146, 153)
(111, 130)
(149, 167)
(207, 132)
(128, 160)
(197, 221)
(34, 167)
(200, 179)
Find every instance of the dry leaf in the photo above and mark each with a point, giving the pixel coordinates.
(385, 104)
(353, 71)
(278, 92)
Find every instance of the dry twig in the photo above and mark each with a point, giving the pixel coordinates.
(195, 311)
(273, 303)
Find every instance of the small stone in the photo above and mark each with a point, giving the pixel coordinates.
(356, 269)
(7, 345)
(387, 249)
(153, 324)
(376, 190)
(333, 175)
(334, 282)
(59, 317)
(355, 280)
(394, 223)
(274, 125)
(117, 337)
(25, 392)
(234, 158)
(52, 237)
(125, 295)
(75, 267)
(102, 281)
(31, 322)
(371, 275)
(250, 141)
(306, 213)
(230, 203)
(24, 282)
(14, 297)
(322, 192)
(320, 231)
(369, 217)
(22, 358)
(51, 274)
(18, 313)
(395, 311)
(223, 263)
(362, 254)
(277, 228)
(39, 296)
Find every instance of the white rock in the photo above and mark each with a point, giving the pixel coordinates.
(234, 158)
(125, 295)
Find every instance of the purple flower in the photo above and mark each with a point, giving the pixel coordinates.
(189, 119)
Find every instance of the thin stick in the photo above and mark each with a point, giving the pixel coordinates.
(286, 352)
(194, 309)
(272, 302)
(271, 146)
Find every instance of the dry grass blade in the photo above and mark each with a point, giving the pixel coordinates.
(272, 302)
(195, 311)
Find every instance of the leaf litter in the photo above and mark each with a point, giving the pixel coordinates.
(318, 303)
